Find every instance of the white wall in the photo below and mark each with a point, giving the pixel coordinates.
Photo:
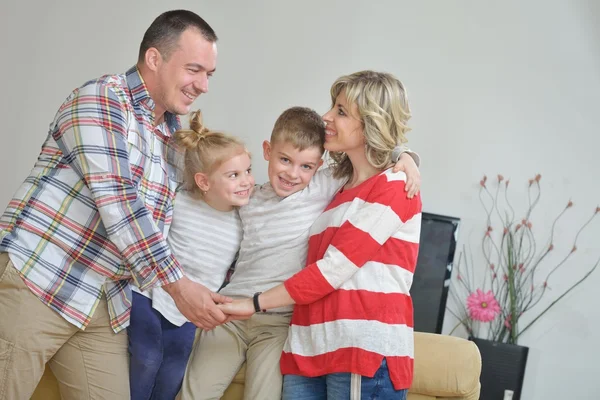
(505, 87)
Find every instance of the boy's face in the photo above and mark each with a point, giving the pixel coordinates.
(290, 170)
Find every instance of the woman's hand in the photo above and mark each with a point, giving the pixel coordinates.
(407, 165)
(238, 309)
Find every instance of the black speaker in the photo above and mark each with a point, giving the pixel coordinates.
(431, 280)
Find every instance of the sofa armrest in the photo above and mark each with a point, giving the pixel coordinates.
(446, 367)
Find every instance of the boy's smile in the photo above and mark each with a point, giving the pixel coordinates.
(290, 170)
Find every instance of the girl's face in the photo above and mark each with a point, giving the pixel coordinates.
(230, 185)
(344, 128)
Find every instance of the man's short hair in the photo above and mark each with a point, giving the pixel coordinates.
(164, 32)
(300, 126)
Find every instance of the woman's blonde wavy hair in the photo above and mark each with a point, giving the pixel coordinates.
(384, 112)
(205, 150)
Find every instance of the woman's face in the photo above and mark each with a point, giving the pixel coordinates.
(343, 127)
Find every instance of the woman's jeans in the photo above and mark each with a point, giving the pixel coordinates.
(338, 386)
(159, 352)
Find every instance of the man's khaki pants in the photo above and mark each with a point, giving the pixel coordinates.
(218, 355)
(90, 364)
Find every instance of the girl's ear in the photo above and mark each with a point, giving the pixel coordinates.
(202, 181)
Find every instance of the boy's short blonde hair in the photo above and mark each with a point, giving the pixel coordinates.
(300, 126)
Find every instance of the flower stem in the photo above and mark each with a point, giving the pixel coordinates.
(461, 322)
(559, 298)
(514, 317)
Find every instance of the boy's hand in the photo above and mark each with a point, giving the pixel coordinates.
(407, 165)
(238, 309)
(197, 303)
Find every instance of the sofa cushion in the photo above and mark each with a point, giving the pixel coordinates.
(417, 396)
(445, 366)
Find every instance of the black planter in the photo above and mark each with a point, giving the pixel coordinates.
(503, 367)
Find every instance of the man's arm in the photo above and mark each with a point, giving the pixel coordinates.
(92, 134)
(92, 129)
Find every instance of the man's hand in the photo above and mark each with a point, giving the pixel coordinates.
(238, 309)
(197, 303)
(407, 165)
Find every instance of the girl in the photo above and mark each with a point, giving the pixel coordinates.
(205, 236)
(351, 330)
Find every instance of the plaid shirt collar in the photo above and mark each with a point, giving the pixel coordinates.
(140, 95)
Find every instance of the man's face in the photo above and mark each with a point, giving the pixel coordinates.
(290, 170)
(184, 75)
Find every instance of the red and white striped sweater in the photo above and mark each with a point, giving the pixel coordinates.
(353, 305)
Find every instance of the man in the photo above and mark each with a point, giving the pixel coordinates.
(92, 218)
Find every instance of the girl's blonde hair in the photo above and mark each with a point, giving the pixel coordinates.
(384, 112)
(205, 150)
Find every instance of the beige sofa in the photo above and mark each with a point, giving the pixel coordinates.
(446, 367)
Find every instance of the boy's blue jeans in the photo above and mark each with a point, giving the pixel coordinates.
(158, 350)
(337, 386)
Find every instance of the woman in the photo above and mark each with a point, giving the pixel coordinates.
(351, 330)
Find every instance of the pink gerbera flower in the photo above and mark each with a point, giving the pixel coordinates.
(482, 306)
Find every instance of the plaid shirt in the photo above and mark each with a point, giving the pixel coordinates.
(94, 212)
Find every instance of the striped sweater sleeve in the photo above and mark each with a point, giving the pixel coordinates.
(92, 134)
(377, 218)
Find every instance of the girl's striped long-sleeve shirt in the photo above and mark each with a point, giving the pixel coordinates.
(353, 305)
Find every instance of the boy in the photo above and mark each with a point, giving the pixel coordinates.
(276, 225)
